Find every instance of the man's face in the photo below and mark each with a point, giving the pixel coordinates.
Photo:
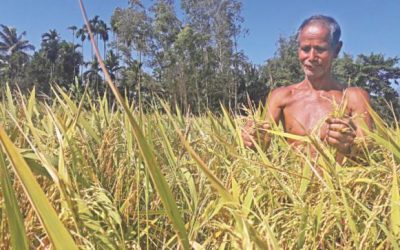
(315, 51)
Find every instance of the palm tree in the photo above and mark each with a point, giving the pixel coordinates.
(113, 67)
(102, 30)
(13, 52)
(73, 28)
(112, 64)
(94, 26)
(11, 42)
(68, 62)
(51, 46)
(92, 75)
(81, 33)
(3, 65)
(50, 41)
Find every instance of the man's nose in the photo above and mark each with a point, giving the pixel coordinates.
(313, 55)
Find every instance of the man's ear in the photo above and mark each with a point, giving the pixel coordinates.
(338, 48)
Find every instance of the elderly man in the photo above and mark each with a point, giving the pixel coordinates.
(303, 106)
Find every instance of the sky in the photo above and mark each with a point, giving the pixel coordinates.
(367, 25)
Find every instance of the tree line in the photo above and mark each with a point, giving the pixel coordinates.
(192, 59)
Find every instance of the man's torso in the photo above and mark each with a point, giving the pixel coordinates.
(304, 111)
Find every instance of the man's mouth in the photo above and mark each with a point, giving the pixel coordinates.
(309, 67)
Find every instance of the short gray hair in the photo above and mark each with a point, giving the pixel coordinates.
(334, 28)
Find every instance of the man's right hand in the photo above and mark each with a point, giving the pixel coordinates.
(255, 132)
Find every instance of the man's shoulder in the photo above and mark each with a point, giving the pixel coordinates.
(281, 96)
(357, 98)
(356, 93)
(284, 90)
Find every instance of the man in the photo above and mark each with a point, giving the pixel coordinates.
(303, 106)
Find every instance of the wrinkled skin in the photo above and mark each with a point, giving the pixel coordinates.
(305, 106)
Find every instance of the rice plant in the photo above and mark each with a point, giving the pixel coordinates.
(75, 177)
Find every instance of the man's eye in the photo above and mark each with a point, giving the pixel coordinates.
(320, 49)
(306, 49)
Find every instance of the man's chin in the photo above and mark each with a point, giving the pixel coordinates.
(311, 75)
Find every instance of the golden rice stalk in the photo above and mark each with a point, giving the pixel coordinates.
(146, 151)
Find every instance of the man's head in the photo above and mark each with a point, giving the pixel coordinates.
(331, 24)
(319, 44)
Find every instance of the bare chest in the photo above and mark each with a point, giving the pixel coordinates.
(305, 113)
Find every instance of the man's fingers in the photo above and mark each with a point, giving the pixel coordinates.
(339, 143)
(342, 129)
(341, 137)
(248, 128)
(341, 146)
(248, 132)
(265, 126)
(333, 141)
(248, 144)
(254, 131)
(251, 127)
(261, 130)
(342, 125)
(249, 124)
(247, 139)
(342, 121)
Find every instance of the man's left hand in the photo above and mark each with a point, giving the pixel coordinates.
(341, 134)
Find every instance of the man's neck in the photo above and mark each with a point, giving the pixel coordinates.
(323, 83)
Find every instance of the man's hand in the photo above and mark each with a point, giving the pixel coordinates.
(253, 131)
(341, 134)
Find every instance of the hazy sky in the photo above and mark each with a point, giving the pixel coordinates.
(367, 25)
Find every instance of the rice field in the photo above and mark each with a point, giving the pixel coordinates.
(78, 174)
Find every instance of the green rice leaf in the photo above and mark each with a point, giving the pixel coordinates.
(69, 104)
(290, 136)
(395, 205)
(302, 228)
(350, 220)
(10, 101)
(58, 234)
(16, 226)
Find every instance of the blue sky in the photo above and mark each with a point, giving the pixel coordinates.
(367, 25)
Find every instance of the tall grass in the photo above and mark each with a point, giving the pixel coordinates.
(89, 164)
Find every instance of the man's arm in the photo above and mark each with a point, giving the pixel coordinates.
(342, 132)
(275, 104)
(254, 130)
(358, 102)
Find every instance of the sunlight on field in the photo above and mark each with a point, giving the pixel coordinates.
(176, 180)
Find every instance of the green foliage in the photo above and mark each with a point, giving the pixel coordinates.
(191, 59)
(377, 75)
(16, 222)
(55, 63)
(284, 69)
(11, 42)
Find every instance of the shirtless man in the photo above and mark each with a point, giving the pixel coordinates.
(302, 107)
